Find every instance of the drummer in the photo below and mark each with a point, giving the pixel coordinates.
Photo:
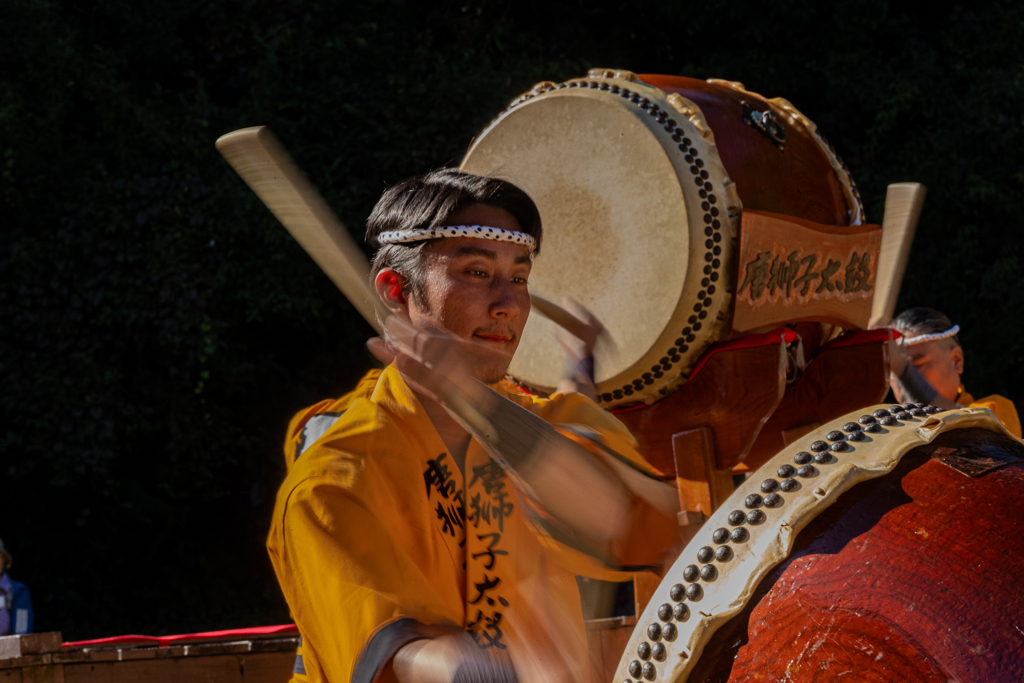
(926, 367)
(432, 532)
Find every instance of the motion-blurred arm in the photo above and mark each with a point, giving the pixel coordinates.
(908, 384)
(590, 492)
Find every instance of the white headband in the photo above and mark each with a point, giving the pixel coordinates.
(931, 337)
(478, 231)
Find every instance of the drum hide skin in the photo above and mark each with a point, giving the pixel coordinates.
(914, 576)
(639, 224)
(602, 247)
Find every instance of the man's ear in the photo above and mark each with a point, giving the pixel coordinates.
(391, 288)
(957, 354)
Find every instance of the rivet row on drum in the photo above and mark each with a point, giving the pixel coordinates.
(821, 453)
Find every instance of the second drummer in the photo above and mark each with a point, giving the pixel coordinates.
(926, 367)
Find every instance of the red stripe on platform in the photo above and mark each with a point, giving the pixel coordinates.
(164, 641)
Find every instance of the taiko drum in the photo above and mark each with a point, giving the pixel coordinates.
(640, 182)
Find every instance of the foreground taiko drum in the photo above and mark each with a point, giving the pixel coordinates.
(640, 182)
(885, 547)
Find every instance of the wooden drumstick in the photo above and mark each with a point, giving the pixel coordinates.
(268, 169)
(557, 315)
(903, 203)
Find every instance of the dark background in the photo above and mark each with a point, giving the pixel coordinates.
(158, 327)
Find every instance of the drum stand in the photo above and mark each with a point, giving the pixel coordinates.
(743, 403)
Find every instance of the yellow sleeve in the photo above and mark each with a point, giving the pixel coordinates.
(1003, 409)
(293, 437)
(293, 440)
(346, 574)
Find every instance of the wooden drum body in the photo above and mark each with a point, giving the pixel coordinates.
(911, 577)
(907, 565)
(777, 157)
(636, 182)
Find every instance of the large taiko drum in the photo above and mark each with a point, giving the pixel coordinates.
(895, 555)
(640, 182)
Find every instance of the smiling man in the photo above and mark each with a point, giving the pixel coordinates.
(432, 523)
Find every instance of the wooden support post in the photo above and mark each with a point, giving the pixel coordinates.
(644, 585)
(702, 487)
(607, 638)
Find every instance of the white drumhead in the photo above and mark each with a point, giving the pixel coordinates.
(618, 225)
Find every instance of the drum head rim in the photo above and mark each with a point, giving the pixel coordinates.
(769, 541)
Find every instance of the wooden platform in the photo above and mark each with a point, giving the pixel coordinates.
(41, 658)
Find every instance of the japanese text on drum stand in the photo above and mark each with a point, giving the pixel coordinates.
(773, 272)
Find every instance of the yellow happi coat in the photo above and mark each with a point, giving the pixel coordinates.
(377, 535)
(1001, 406)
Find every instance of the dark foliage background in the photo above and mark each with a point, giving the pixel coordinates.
(158, 328)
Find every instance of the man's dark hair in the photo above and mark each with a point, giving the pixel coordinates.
(427, 201)
(914, 322)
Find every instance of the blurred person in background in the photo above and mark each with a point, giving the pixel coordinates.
(926, 364)
(16, 616)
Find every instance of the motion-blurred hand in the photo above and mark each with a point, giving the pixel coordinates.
(898, 358)
(435, 363)
(578, 332)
